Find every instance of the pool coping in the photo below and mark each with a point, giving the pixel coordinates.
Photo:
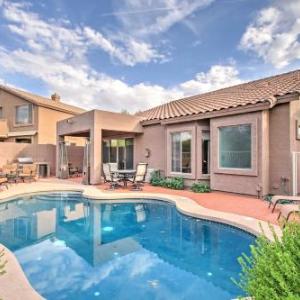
(15, 278)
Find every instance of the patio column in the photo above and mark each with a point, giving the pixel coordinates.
(96, 156)
(57, 160)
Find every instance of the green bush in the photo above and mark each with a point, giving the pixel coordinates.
(175, 183)
(273, 269)
(199, 187)
(156, 179)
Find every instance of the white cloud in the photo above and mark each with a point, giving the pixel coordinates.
(217, 77)
(73, 43)
(133, 51)
(155, 16)
(57, 55)
(274, 34)
(89, 89)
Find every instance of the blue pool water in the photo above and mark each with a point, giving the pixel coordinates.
(72, 248)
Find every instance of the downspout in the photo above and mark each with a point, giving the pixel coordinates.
(272, 100)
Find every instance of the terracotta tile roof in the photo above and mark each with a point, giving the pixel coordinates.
(43, 101)
(254, 92)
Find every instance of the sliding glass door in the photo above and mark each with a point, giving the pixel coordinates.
(119, 151)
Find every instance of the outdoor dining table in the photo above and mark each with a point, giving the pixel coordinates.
(125, 175)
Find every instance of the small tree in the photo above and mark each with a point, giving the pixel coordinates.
(272, 271)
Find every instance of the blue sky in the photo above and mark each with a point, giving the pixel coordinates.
(129, 54)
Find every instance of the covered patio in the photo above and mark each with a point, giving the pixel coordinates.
(110, 137)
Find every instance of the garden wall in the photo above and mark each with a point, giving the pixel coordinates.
(9, 152)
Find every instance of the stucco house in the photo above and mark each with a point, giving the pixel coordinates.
(29, 118)
(239, 139)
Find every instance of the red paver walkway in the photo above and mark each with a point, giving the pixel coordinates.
(227, 202)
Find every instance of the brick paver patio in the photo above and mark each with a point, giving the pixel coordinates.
(227, 202)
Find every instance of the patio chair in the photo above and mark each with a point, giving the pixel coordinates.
(139, 177)
(113, 167)
(29, 172)
(4, 182)
(109, 176)
(73, 170)
(287, 211)
(10, 171)
(281, 198)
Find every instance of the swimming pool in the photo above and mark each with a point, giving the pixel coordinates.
(73, 248)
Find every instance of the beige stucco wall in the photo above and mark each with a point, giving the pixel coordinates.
(95, 122)
(239, 181)
(9, 152)
(8, 102)
(282, 143)
(117, 122)
(280, 155)
(154, 140)
(40, 153)
(273, 139)
(276, 139)
(47, 119)
(44, 120)
(295, 143)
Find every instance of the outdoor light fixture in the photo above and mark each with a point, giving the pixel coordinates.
(147, 152)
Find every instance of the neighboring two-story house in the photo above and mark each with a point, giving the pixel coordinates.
(29, 118)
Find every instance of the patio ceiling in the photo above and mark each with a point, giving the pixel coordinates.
(115, 133)
(79, 134)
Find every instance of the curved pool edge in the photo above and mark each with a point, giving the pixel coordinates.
(185, 205)
(15, 278)
(14, 283)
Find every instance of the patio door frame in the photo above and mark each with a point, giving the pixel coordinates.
(125, 162)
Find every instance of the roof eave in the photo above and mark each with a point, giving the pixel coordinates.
(267, 104)
(10, 91)
(59, 109)
(211, 114)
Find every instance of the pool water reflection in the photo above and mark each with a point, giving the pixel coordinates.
(72, 248)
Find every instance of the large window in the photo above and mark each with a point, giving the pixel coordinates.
(24, 114)
(23, 140)
(235, 147)
(119, 151)
(181, 152)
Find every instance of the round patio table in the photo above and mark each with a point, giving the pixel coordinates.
(125, 175)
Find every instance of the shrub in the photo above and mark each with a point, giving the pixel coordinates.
(273, 269)
(199, 187)
(175, 183)
(156, 179)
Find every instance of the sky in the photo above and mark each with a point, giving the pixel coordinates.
(132, 55)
